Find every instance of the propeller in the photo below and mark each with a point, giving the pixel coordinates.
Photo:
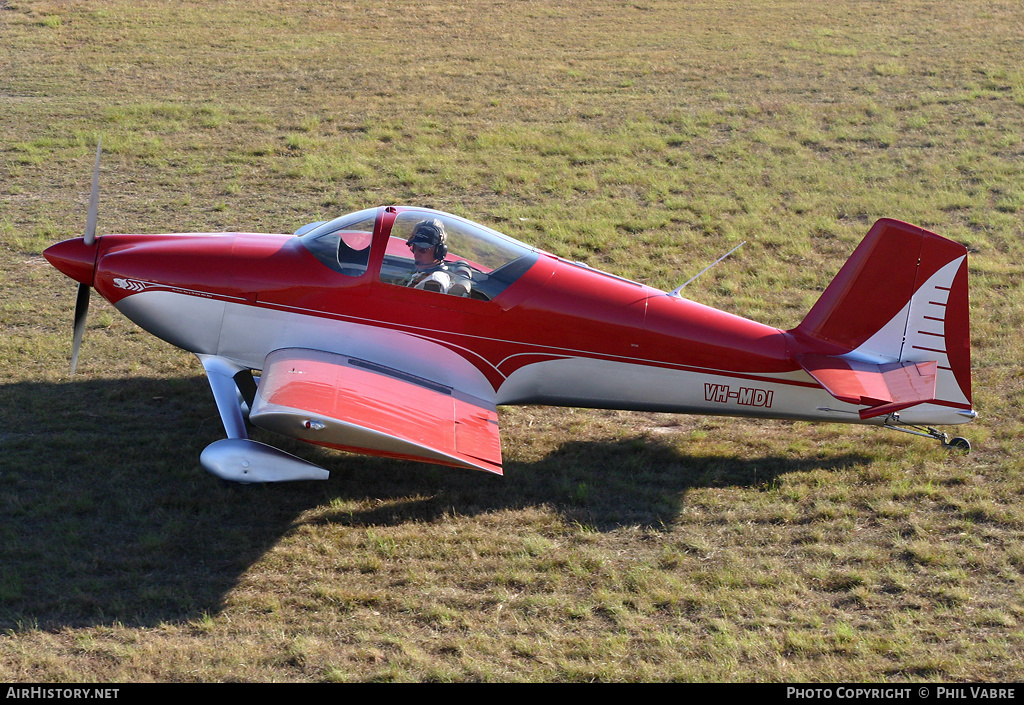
(82, 301)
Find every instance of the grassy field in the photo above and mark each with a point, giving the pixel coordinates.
(645, 138)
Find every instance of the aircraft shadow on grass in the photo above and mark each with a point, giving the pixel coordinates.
(106, 515)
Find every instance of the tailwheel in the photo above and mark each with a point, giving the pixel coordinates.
(958, 443)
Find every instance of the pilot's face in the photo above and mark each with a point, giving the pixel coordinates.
(423, 255)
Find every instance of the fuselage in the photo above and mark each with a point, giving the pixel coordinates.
(556, 332)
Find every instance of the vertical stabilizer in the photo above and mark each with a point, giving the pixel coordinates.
(900, 298)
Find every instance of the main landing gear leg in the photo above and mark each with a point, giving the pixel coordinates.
(236, 458)
(955, 443)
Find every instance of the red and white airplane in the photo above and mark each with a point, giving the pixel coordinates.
(364, 347)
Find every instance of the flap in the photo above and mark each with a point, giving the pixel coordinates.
(358, 405)
(886, 387)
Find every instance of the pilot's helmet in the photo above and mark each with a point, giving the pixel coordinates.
(430, 233)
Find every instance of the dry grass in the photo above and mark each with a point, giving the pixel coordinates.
(645, 138)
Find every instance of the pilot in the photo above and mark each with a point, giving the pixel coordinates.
(429, 246)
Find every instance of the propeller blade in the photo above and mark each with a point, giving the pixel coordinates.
(94, 197)
(82, 302)
(81, 309)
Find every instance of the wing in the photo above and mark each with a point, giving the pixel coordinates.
(883, 388)
(348, 403)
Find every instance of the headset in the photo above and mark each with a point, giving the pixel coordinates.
(431, 232)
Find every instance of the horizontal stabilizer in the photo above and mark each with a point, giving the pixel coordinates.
(885, 388)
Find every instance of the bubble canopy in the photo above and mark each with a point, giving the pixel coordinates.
(489, 260)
